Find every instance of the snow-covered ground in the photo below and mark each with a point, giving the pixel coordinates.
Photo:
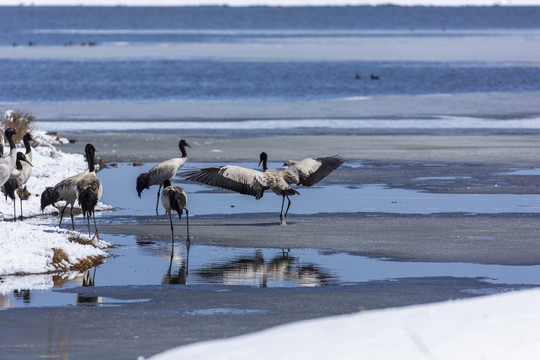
(34, 246)
(503, 326)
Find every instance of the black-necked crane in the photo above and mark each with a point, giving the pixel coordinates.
(20, 176)
(165, 170)
(254, 182)
(66, 190)
(89, 190)
(7, 164)
(17, 180)
(174, 198)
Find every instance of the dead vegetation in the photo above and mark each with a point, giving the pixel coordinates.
(60, 259)
(21, 120)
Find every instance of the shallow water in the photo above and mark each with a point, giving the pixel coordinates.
(346, 198)
(143, 262)
(150, 260)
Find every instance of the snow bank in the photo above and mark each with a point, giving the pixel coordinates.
(31, 247)
(28, 248)
(501, 326)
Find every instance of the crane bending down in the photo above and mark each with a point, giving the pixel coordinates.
(253, 182)
(66, 190)
(16, 180)
(174, 198)
(165, 170)
(89, 191)
(20, 174)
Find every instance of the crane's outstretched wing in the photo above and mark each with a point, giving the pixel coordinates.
(312, 170)
(230, 177)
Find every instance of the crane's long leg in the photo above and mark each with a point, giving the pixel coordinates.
(95, 225)
(88, 217)
(281, 213)
(157, 202)
(288, 206)
(172, 228)
(71, 214)
(187, 226)
(20, 199)
(14, 212)
(62, 215)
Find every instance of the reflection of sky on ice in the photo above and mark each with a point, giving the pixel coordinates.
(207, 200)
(137, 262)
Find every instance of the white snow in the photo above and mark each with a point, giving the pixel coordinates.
(503, 326)
(27, 247)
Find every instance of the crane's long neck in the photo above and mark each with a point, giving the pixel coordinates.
(11, 142)
(264, 165)
(91, 161)
(27, 146)
(183, 150)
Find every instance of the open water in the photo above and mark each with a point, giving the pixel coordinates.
(158, 79)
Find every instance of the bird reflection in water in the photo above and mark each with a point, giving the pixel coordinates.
(180, 277)
(88, 280)
(281, 270)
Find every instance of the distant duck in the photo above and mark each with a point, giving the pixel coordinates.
(16, 181)
(31, 43)
(89, 191)
(358, 77)
(66, 190)
(7, 164)
(174, 198)
(165, 170)
(374, 77)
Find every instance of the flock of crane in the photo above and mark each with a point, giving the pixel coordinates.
(86, 188)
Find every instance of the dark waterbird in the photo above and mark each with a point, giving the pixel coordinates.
(66, 190)
(253, 182)
(165, 170)
(174, 198)
(16, 181)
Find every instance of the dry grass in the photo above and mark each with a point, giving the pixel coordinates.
(88, 263)
(59, 259)
(21, 121)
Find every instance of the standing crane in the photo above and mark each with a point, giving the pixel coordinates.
(20, 176)
(165, 170)
(7, 164)
(174, 198)
(89, 190)
(16, 181)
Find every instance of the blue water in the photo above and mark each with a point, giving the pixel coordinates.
(64, 80)
(155, 79)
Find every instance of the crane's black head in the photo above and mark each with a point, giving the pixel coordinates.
(166, 183)
(182, 145)
(10, 132)
(263, 158)
(49, 197)
(89, 149)
(27, 137)
(22, 157)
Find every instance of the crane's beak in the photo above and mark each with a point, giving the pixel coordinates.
(28, 162)
(189, 146)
